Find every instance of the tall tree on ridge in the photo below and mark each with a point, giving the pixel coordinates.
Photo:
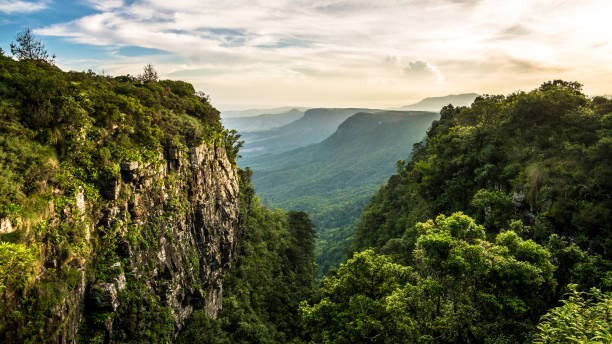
(27, 47)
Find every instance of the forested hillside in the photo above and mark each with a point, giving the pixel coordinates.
(499, 213)
(120, 218)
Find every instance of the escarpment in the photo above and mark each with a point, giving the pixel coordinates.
(119, 209)
(167, 236)
(177, 220)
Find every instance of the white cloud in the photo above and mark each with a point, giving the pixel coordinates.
(423, 70)
(334, 47)
(106, 5)
(18, 6)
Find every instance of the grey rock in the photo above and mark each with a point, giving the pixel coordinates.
(103, 297)
(190, 249)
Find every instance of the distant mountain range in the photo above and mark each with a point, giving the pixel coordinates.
(313, 127)
(256, 112)
(262, 122)
(334, 179)
(437, 103)
(329, 162)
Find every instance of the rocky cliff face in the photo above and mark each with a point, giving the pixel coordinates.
(160, 240)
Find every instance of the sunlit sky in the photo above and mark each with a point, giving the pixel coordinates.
(383, 53)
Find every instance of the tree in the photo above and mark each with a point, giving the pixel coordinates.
(461, 288)
(354, 307)
(583, 318)
(149, 74)
(26, 47)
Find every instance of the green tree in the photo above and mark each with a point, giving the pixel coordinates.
(17, 264)
(27, 47)
(149, 74)
(495, 208)
(353, 305)
(460, 288)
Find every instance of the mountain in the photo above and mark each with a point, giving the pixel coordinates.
(313, 127)
(437, 103)
(262, 122)
(256, 112)
(334, 179)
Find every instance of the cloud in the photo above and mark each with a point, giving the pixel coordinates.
(105, 5)
(513, 32)
(18, 6)
(336, 46)
(423, 70)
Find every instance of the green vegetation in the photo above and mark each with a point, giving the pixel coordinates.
(541, 158)
(273, 272)
(497, 230)
(460, 288)
(583, 318)
(534, 169)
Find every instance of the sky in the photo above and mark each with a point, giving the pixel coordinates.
(332, 53)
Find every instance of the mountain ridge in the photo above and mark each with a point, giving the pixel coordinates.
(316, 125)
(436, 103)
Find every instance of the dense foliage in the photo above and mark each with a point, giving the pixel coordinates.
(461, 288)
(524, 180)
(535, 168)
(583, 318)
(542, 158)
(274, 271)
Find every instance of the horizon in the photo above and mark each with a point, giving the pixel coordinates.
(328, 53)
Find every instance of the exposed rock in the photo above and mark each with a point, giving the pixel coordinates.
(119, 280)
(201, 229)
(198, 155)
(518, 197)
(80, 201)
(103, 297)
(5, 226)
(129, 170)
(176, 221)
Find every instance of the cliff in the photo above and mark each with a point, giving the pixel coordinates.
(180, 220)
(119, 212)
